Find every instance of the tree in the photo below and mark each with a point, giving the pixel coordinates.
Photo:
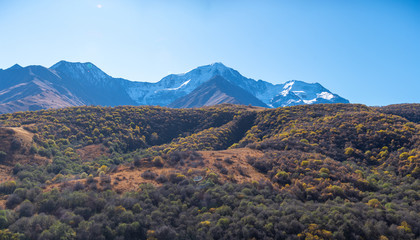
(5, 234)
(26, 209)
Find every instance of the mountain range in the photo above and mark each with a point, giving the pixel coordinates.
(68, 84)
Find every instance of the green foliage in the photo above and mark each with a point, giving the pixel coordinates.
(5, 234)
(7, 187)
(183, 211)
(324, 172)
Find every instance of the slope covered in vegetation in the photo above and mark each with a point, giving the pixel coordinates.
(333, 171)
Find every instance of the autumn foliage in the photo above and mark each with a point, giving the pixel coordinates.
(330, 171)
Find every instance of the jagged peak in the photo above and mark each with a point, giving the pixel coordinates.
(16, 66)
(78, 69)
(215, 66)
(218, 64)
(294, 81)
(67, 63)
(299, 83)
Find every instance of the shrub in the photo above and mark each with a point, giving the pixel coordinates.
(158, 161)
(8, 187)
(148, 175)
(304, 163)
(26, 209)
(13, 200)
(349, 151)
(161, 179)
(2, 156)
(375, 203)
(16, 144)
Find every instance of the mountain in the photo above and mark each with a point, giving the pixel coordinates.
(175, 86)
(16, 66)
(33, 88)
(216, 91)
(74, 84)
(298, 92)
(92, 85)
(65, 84)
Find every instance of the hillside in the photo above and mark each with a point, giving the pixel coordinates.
(325, 171)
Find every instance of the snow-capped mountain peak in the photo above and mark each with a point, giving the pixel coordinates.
(79, 70)
(174, 86)
(90, 85)
(213, 66)
(297, 92)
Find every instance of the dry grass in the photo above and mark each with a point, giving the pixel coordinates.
(22, 134)
(234, 161)
(91, 152)
(20, 155)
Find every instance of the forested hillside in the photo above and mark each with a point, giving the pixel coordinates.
(326, 171)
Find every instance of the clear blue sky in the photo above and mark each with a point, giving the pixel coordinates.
(366, 51)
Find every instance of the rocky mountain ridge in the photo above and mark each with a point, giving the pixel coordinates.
(74, 84)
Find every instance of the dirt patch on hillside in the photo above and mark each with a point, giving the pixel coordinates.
(129, 179)
(232, 164)
(91, 152)
(124, 179)
(256, 109)
(14, 142)
(5, 174)
(24, 135)
(222, 166)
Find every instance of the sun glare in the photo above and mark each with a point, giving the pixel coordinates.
(99, 6)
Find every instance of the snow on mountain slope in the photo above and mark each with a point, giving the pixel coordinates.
(86, 84)
(175, 86)
(216, 91)
(296, 92)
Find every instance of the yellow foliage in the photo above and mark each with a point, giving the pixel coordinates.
(207, 223)
(103, 168)
(304, 163)
(374, 203)
(313, 232)
(404, 226)
(349, 151)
